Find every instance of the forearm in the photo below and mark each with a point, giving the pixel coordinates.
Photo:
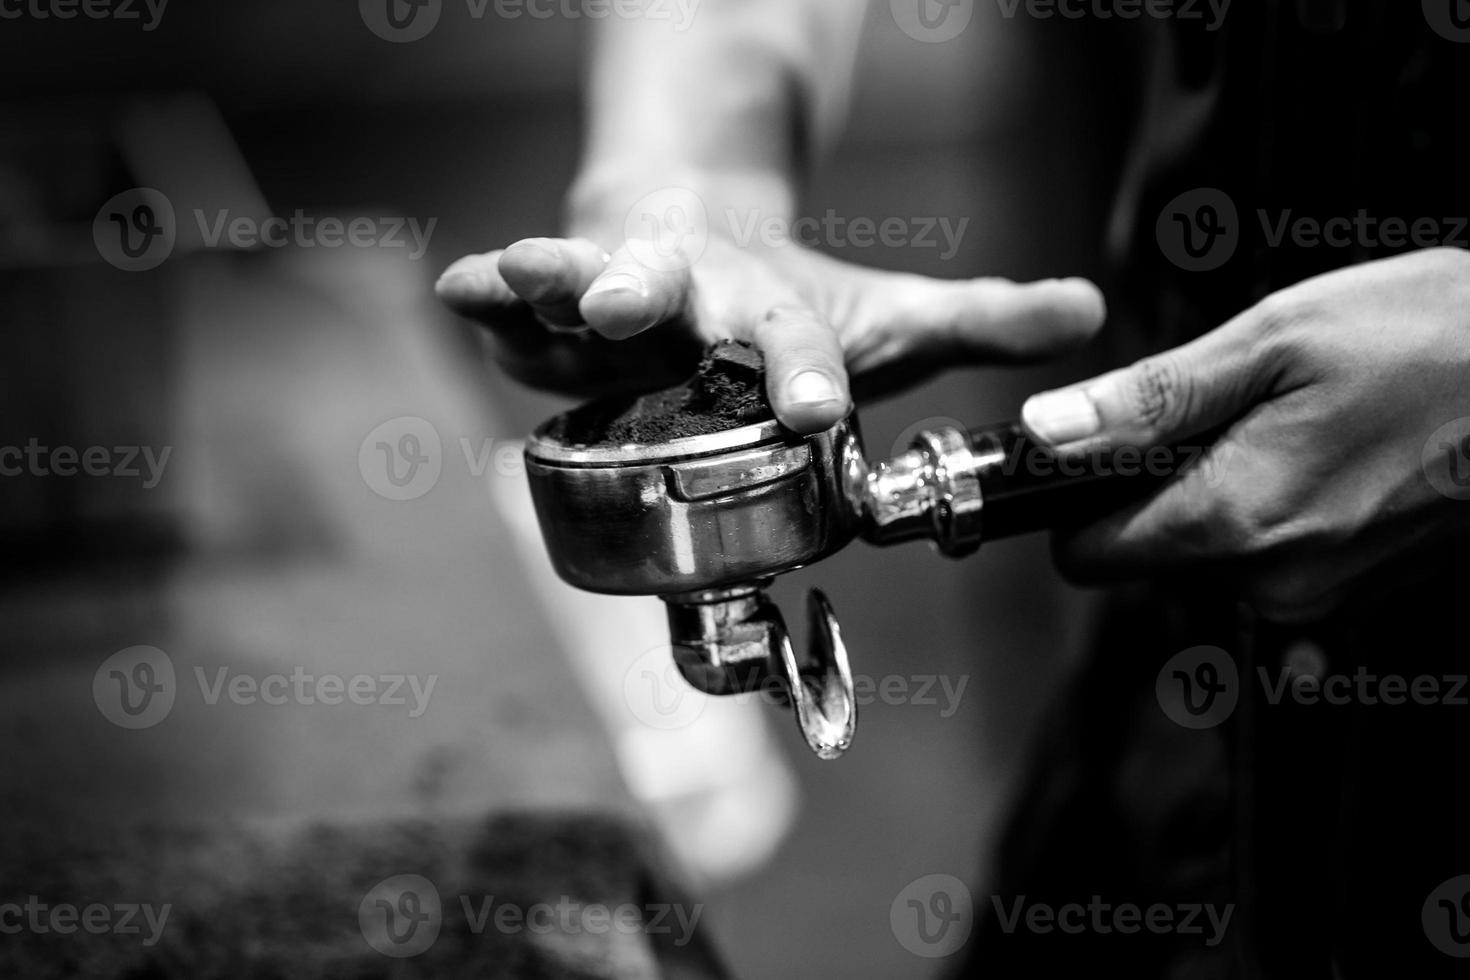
(731, 107)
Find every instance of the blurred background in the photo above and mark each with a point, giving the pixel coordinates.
(247, 532)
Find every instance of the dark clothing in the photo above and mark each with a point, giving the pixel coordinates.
(1291, 119)
(1326, 827)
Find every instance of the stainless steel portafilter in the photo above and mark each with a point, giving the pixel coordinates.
(707, 522)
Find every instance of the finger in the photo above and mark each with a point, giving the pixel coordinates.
(1170, 396)
(629, 297)
(805, 378)
(995, 319)
(552, 274)
(473, 286)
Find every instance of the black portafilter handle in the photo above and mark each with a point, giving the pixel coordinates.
(1027, 486)
(963, 488)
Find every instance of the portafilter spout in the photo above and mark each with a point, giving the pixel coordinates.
(706, 522)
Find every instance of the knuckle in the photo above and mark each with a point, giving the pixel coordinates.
(1282, 323)
(1272, 528)
(794, 331)
(785, 316)
(1158, 393)
(1243, 528)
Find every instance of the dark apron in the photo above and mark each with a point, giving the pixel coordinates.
(1328, 828)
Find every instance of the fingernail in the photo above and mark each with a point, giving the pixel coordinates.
(1060, 417)
(618, 282)
(811, 388)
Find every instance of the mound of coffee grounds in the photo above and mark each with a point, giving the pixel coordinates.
(728, 391)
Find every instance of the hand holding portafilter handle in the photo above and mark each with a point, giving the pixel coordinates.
(707, 522)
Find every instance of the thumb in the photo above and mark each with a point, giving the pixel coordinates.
(1161, 399)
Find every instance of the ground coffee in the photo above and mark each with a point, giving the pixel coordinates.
(728, 391)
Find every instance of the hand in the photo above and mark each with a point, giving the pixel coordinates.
(1327, 395)
(815, 318)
